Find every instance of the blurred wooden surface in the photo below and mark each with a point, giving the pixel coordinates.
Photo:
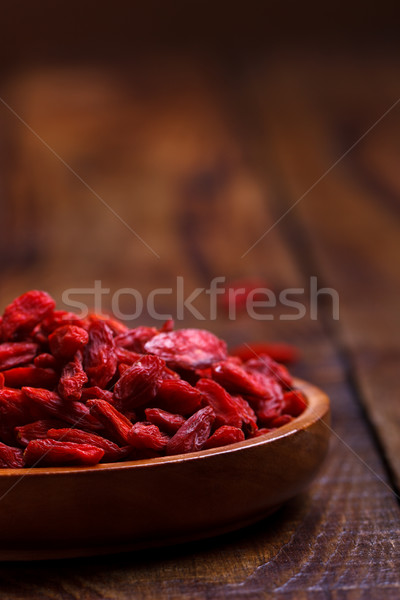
(200, 158)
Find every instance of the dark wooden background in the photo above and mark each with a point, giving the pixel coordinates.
(200, 126)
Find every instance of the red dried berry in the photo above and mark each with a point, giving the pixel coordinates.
(14, 354)
(45, 404)
(72, 380)
(294, 403)
(57, 454)
(135, 339)
(193, 434)
(247, 414)
(147, 435)
(112, 452)
(281, 420)
(94, 392)
(116, 326)
(223, 436)
(281, 353)
(178, 396)
(139, 383)
(188, 348)
(226, 409)
(14, 411)
(30, 376)
(169, 374)
(126, 356)
(268, 411)
(166, 421)
(25, 312)
(58, 318)
(237, 294)
(266, 366)
(167, 326)
(36, 430)
(65, 341)
(45, 361)
(100, 362)
(11, 458)
(237, 380)
(115, 423)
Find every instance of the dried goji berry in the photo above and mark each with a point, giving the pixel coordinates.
(72, 380)
(36, 430)
(135, 339)
(294, 403)
(169, 374)
(226, 409)
(223, 436)
(167, 326)
(45, 361)
(237, 380)
(94, 392)
(14, 354)
(281, 420)
(139, 383)
(116, 326)
(268, 411)
(58, 318)
(54, 453)
(1, 380)
(193, 434)
(247, 414)
(147, 435)
(166, 421)
(115, 423)
(39, 336)
(126, 356)
(31, 376)
(262, 431)
(281, 353)
(100, 362)
(112, 452)
(188, 348)
(237, 294)
(178, 396)
(14, 411)
(26, 311)
(65, 341)
(44, 404)
(11, 458)
(266, 366)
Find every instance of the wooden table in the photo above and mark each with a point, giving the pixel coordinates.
(194, 160)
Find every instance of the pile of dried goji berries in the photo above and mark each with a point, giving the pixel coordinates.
(82, 391)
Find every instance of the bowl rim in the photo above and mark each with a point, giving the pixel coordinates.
(317, 409)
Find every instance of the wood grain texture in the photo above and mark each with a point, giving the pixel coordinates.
(201, 159)
(347, 227)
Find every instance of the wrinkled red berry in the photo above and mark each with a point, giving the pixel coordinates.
(193, 434)
(26, 311)
(100, 362)
(188, 348)
(65, 341)
(54, 453)
(223, 436)
(138, 383)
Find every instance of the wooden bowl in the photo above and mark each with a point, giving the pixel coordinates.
(70, 511)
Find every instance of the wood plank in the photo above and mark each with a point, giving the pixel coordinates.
(348, 225)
